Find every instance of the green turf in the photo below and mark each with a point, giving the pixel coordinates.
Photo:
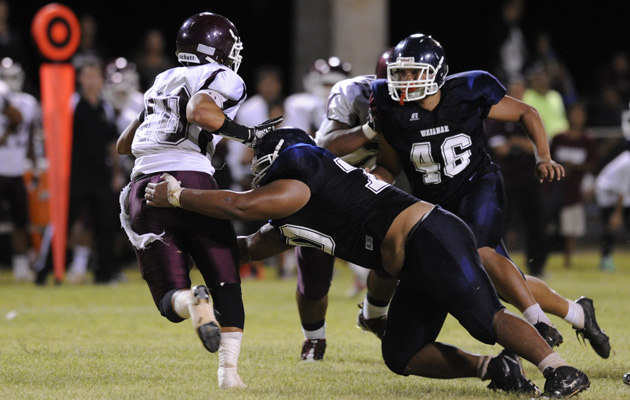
(102, 342)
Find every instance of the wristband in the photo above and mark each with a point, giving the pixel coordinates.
(174, 190)
(368, 132)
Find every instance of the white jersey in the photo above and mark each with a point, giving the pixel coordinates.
(13, 153)
(165, 141)
(305, 111)
(614, 181)
(348, 103)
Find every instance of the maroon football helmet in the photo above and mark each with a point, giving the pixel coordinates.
(206, 38)
(381, 66)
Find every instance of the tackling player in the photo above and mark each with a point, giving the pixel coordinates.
(317, 200)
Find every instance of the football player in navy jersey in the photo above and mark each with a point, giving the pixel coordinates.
(315, 199)
(186, 112)
(432, 127)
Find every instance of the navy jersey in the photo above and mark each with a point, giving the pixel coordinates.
(441, 151)
(349, 211)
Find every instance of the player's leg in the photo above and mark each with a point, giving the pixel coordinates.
(442, 239)
(212, 245)
(14, 191)
(580, 314)
(315, 270)
(373, 310)
(482, 210)
(418, 311)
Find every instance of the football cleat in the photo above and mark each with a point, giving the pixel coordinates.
(596, 336)
(564, 382)
(203, 319)
(549, 333)
(313, 350)
(506, 373)
(626, 378)
(374, 325)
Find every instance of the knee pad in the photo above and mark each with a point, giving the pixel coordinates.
(166, 307)
(228, 305)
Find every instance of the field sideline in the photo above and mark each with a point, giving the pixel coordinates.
(102, 342)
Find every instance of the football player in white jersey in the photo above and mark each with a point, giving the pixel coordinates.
(20, 122)
(184, 112)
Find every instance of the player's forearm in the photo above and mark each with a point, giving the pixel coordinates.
(222, 204)
(535, 130)
(343, 141)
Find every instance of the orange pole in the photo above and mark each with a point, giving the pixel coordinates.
(56, 31)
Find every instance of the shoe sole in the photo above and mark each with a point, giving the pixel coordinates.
(210, 335)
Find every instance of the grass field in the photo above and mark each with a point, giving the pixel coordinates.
(102, 342)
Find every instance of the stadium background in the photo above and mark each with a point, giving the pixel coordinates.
(585, 34)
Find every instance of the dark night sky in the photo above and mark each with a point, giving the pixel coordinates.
(584, 33)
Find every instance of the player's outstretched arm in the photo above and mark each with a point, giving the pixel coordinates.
(276, 199)
(264, 243)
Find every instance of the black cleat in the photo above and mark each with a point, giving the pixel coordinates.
(549, 333)
(596, 336)
(203, 319)
(506, 373)
(564, 382)
(374, 325)
(313, 350)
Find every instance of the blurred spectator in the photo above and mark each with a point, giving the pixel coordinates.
(606, 107)
(19, 124)
(510, 53)
(11, 43)
(514, 152)
(306, 110)
(546, 100)
(576, 150)
(90, 45)
(152, 58)
(616, 74)
(612, 193)
(559, 76)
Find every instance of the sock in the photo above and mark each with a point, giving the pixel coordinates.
(575, 315)
(182, 299)
(373, 308)
(311, 332)
(553, 360)
(80, 260)
(534, 314)
(21, 266)
(229, 349)
(482, 367)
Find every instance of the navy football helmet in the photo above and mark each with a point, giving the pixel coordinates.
(383, 61)
(207, 38)
(417, 68)
(270, 147)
